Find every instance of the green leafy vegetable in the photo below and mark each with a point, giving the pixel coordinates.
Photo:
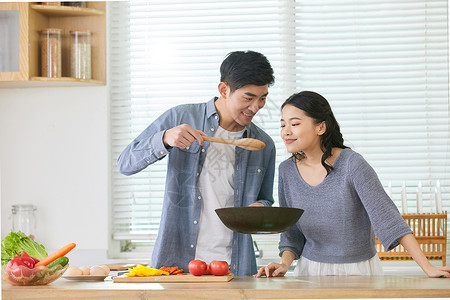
(18, 241)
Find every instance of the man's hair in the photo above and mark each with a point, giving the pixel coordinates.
(241, 68)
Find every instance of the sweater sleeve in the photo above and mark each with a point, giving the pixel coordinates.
(292, 239)
(385, 218)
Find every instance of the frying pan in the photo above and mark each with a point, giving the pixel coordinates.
(258, 220)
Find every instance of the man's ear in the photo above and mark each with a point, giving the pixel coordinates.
(322, 128)
(224, 89)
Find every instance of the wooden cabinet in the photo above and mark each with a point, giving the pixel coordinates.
(32, 18)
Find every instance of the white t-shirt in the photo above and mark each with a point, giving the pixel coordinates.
(216, 184)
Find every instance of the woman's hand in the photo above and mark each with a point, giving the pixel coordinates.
(409, 242)
(435, 272)
(256, 204)
(272, 270)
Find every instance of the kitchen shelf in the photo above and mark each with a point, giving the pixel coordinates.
(50, 82)
(66, 11)
(34, 17)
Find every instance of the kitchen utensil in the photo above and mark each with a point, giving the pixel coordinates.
(174, 278)
(123, 266)
(246, 143)
(259, 219)
(85, 277)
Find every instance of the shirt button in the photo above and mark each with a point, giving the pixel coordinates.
(216, 117)
(192, 246)
(259, 170)
(195, 222)
(199, 197)
(212, 129)
(198, 174)
(203, 150)
(187, 148)
(161, 152)
(148, 161)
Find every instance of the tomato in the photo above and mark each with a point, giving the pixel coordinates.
(219, 268)
(197, 267)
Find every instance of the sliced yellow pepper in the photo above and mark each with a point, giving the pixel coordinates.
(141, 271)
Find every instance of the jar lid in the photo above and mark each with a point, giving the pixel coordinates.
(81, 32)
(51, 30)
(22, 207)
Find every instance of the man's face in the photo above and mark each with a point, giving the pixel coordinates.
(243, 104)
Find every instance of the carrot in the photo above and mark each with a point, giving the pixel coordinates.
(61, 252)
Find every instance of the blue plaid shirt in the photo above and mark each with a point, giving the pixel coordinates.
(253, 181)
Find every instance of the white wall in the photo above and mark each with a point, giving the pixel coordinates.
(54, 154)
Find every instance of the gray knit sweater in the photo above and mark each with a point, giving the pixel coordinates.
(341, 215)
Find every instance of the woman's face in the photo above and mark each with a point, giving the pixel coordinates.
(298, 131)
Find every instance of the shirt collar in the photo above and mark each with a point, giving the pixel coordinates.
(211, 108)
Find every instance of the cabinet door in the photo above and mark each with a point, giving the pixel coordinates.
(14, 36)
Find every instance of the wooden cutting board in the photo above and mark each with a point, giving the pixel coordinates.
(174, 278)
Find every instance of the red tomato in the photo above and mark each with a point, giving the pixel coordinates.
(219, 268)
(197, 267)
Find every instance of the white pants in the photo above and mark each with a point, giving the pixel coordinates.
(306, 267)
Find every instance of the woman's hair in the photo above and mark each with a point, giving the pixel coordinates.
(241, 68)
(317, 107)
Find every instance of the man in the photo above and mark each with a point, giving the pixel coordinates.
(204, 176)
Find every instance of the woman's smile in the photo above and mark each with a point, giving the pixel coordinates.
(289, 141)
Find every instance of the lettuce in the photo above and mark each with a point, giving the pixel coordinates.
(15, 242)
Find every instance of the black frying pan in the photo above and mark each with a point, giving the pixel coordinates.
(259, 219)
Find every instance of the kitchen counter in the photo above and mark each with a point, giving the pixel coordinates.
(242, 288)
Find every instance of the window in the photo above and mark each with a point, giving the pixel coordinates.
(383, 66)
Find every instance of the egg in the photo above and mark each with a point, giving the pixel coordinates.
(97, 270)
(86, 270)
(106, 268)
(73, 271)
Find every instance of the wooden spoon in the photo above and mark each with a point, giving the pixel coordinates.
(247, 143)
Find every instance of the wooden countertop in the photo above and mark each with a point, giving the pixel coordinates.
(242, 288)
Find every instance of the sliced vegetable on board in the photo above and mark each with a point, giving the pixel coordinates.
(141, 271)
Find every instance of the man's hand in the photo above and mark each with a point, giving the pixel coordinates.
(182, 136)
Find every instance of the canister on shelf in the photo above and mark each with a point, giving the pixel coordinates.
(80, 54)
(51, 52)
(75, 3)
(51, 3)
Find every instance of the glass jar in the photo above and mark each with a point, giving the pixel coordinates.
(80, 54)
(23, 219)
(51, 52)
(75, 4)
(51, 3)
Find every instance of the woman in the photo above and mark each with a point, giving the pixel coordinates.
(344, 203)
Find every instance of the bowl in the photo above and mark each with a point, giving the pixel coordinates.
(259, 220)
(36, 276)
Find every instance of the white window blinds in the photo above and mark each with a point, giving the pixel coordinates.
(383, 65)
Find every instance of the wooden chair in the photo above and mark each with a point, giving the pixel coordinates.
(430, 230)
